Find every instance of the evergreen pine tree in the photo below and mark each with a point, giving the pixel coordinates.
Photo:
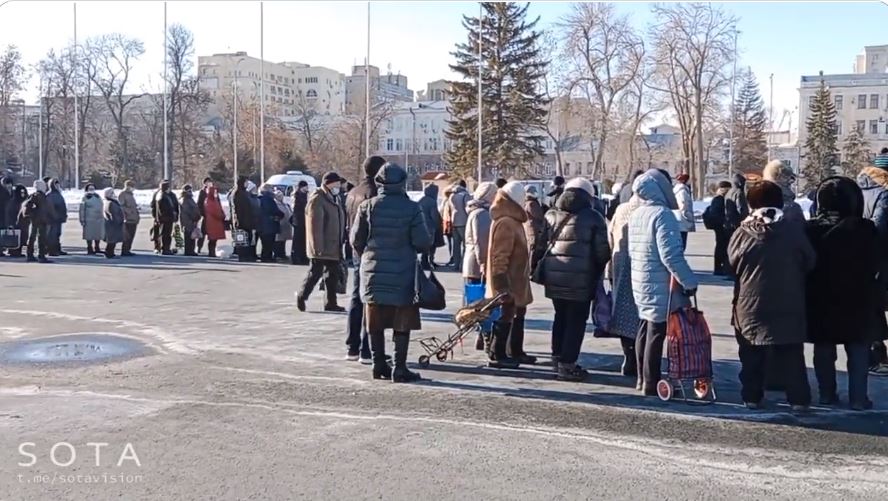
(856, 154)
(513, 107)
(750, 146)
(820, 145)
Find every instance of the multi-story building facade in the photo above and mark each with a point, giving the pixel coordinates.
(383, 88)
(413, 135)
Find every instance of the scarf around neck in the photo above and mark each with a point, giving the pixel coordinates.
(766, 215)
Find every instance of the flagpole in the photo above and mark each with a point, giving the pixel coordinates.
(40, 131)
(261, 91)
(367, 90)
(166, 170)
(733, 92)
(76, 110)
(480, 83)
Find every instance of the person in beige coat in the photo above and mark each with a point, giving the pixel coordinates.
(325, 229)
(508, 267)
(130, 217)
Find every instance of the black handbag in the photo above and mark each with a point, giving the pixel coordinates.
(538, 274)
(10, 239)
(430, 294)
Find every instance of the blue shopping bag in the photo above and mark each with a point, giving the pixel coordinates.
(475, 292)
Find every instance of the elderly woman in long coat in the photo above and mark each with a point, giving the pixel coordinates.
(624, 314)
(285, 233)
(92, 219)
(113, 216)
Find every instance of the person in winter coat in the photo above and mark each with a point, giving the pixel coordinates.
(459, 201)
(429, 205)
(242, 219)
(657, 261)
(165, 211)
(325, 227)
(12, 220)
(189, 218)
(112, 212)
(770, 258)
(685, 213)
(38, 212)
(556, 191)
(92, 220)
(213, 220)
(507, 267)
(130, 217)
(388, 232)
(60, 210)
(6, 189)
(778, 173)
(297, 221)
(356, 337)
(285, 233)
(270, 217)
(201, 208)
(447, 222)
(624, 319)
(477, 238)
(626, 192)
(874, 183)
(736, 208)
(844, 293)
(535, 226)
(715, 218)
(577, 234)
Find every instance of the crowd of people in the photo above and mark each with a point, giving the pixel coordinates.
(820, 280)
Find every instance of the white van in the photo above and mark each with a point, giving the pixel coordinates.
(288, 182)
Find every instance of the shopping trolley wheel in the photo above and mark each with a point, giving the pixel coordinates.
(701, 388)
(664, 390)
(441, 356)
(423, 361)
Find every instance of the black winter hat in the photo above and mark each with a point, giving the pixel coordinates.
(725, 184)
(559, 180)
(302, 184)
(331, 177)
(840, 195)
(765, 194)
(372, 165)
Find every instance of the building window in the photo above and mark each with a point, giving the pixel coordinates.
(874, 101)
(398, 145)
(840, 101)
(839, 128)
(389, 144)
(311, 94)
(861, 126)
(567, 168)
(874, 127)
(861, 102)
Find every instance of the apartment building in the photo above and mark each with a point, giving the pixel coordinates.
(389, 87)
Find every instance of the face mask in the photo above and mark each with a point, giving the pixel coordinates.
(334, 191)
(533, 195)
(129, 189)
(90, 191)
(304, 189)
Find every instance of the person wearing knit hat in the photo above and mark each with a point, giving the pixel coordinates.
(556, 191)
(356, 338)
(780, 174)
(477, 238)
(881, 160)
(500, 182)
(771, 259)
(874, 183)
(325, 231)
(507, 267)
(685, 211)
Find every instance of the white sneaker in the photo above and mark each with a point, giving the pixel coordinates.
(366, 361)
(353, 358)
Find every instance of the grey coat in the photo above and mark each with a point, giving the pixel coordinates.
(459, 202)
(129, 206)
(655, 250)
(189, 215)
(286, 231)
(388, 231)
(60, 208)
(92, 217)
(113, 215)
(477, 239)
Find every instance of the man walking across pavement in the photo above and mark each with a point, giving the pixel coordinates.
(130, 217)
(325, 229)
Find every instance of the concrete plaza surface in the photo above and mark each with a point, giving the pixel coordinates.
(237, 395)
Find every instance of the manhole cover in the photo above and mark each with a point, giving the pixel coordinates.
(76, 348)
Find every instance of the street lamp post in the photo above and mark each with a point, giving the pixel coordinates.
(234, 119)
(412, 140)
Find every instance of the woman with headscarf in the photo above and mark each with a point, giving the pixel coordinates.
(285, 233)
(214, 220)
(92, 219)
(388, 232)
(189, 217)
(844, 294)
(113, 215)
(477, 238)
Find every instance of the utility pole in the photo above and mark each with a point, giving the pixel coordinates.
(480, 83)
(771, 119)
(167, 174)
(76, 111)
(733, 94)
(261, 91)
(367, 90)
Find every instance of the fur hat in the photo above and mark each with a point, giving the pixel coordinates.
(582, 184)
(765, 194)
(777, 172)
(372, 166)
(514, 191)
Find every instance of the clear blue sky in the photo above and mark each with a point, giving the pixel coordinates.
(787, 39)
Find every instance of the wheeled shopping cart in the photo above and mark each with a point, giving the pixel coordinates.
(480, 313)
(688, 357)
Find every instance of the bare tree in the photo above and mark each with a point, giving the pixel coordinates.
(603, 56)
(312, 128)
(114, 55)
(12, 80)
(559, 101)
(694, 47)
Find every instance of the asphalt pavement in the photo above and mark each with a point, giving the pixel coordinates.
(207, 383)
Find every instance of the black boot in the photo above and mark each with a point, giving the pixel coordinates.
(381, 369)
(89, 248)
(401, 374)
(479, 342)
(516, 344)
(498, 358)
(629, 367)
